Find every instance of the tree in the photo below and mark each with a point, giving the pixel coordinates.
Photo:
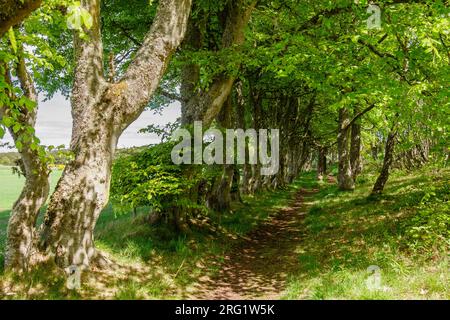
(206, 104)
(101, 111)
(305, 68)
(21, 233)
(387, 162)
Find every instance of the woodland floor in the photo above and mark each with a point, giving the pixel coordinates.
(258, 266)
(306, 241)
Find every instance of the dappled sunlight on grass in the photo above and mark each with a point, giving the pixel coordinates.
(153, 261)
(307, 241)
(347, 232)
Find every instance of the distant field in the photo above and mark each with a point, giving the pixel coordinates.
(11, 185)
(10, 188)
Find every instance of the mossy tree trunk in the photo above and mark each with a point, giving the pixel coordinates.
(101, 111)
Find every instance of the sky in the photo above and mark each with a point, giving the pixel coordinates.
(54, 124)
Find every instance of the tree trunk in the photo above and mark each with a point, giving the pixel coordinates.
(235, 185)
(374, 151)
(220, 199)
(206, 105)
(387, 162)
(81, 193)
(322, 163)
(345, 180)
(21, 232)
(13, 12)
(190, 72)
(244, 182)
(255, 99)
(101, 111)
(355, 150)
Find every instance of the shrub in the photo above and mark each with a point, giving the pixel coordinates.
(431, 223)
(149, 178)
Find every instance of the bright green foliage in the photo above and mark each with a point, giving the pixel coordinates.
(33, 41)
(149, 178)
(431, 225)
(318, 54)
(346, 232)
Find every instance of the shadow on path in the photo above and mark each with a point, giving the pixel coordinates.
(257, 267)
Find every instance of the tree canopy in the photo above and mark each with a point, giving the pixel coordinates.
(350, 85)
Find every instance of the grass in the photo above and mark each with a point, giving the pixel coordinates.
(177, 262)
(153, 261)
(11, 185)
(346, 232)
(10, 188)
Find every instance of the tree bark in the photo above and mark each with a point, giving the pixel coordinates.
(244, 183)
(255, 98)
(220, 199)
(345, 180)
(322, 163)
(374, 151)
(190, 72)
(387, 162)
(101, 112)
(355, 150)
(21, 232)
(13, 12)
(206, 105)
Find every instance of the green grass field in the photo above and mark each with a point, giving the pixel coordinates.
(11, 185)
(10, 188)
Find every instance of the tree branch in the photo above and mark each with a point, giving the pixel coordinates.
(445, 47)
(170, 95)
(206, 105)
(359, 115)
(314, 20)
(127, 34)
(146, 70)
(376, 51)
(13, 12)
(89, 82)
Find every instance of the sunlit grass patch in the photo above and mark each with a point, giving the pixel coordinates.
(347, 232)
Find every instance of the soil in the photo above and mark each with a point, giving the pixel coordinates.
(257, 267)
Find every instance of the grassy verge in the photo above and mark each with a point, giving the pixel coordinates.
(153, 261)
(405, 234)
(179, 261)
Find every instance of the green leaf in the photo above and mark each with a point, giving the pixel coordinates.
(16, 127)
(19, 145)
(86, 18)
(7, 121)
(30, 104)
